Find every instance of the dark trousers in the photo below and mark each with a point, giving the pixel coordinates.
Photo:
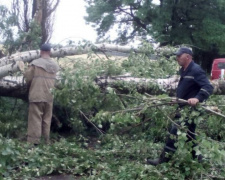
(170, 143)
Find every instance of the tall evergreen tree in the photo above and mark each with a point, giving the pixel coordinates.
(130, 17)
(199, 24)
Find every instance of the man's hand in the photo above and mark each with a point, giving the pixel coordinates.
(193, 101)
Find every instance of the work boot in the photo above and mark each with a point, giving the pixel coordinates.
(200, 158)
(159, 160)
(154, 162)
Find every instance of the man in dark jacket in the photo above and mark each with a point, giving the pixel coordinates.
(194, 87)
(40, 77)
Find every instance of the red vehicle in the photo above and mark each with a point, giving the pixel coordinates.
(218, 69)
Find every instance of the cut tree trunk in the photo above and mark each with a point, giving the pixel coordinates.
(9, 69)
(16, 86)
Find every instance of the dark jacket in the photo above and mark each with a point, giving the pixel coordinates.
(194, 83)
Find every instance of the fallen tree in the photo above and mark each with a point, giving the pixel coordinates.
(8, 64)
(16, 86)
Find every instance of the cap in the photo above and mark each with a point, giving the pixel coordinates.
(46, 47)
(183, 50)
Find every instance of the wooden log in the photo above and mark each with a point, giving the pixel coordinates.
(16, 86)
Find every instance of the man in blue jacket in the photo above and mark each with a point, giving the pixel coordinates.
(194, 87)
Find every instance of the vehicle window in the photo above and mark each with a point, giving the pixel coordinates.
(221, 65)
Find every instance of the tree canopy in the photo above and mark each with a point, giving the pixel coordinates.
(27, 24)
(198, 24)
(131, 17)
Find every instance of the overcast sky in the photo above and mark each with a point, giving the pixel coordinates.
(70, 23)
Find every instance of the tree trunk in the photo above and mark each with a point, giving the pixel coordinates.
(9, 69)
(13, 87)
(48, 15)
(16, 86)
(28, 56)
(35, 18)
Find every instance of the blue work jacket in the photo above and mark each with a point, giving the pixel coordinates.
(194, 83)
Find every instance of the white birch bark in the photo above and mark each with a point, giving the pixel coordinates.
(8, 64)
(16, 86)
(9, 69)
(28, 56)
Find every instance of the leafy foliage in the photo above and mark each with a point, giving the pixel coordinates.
(141, 66)
(81, 95)
(133, 120)
(13, 115)
(13, 37)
